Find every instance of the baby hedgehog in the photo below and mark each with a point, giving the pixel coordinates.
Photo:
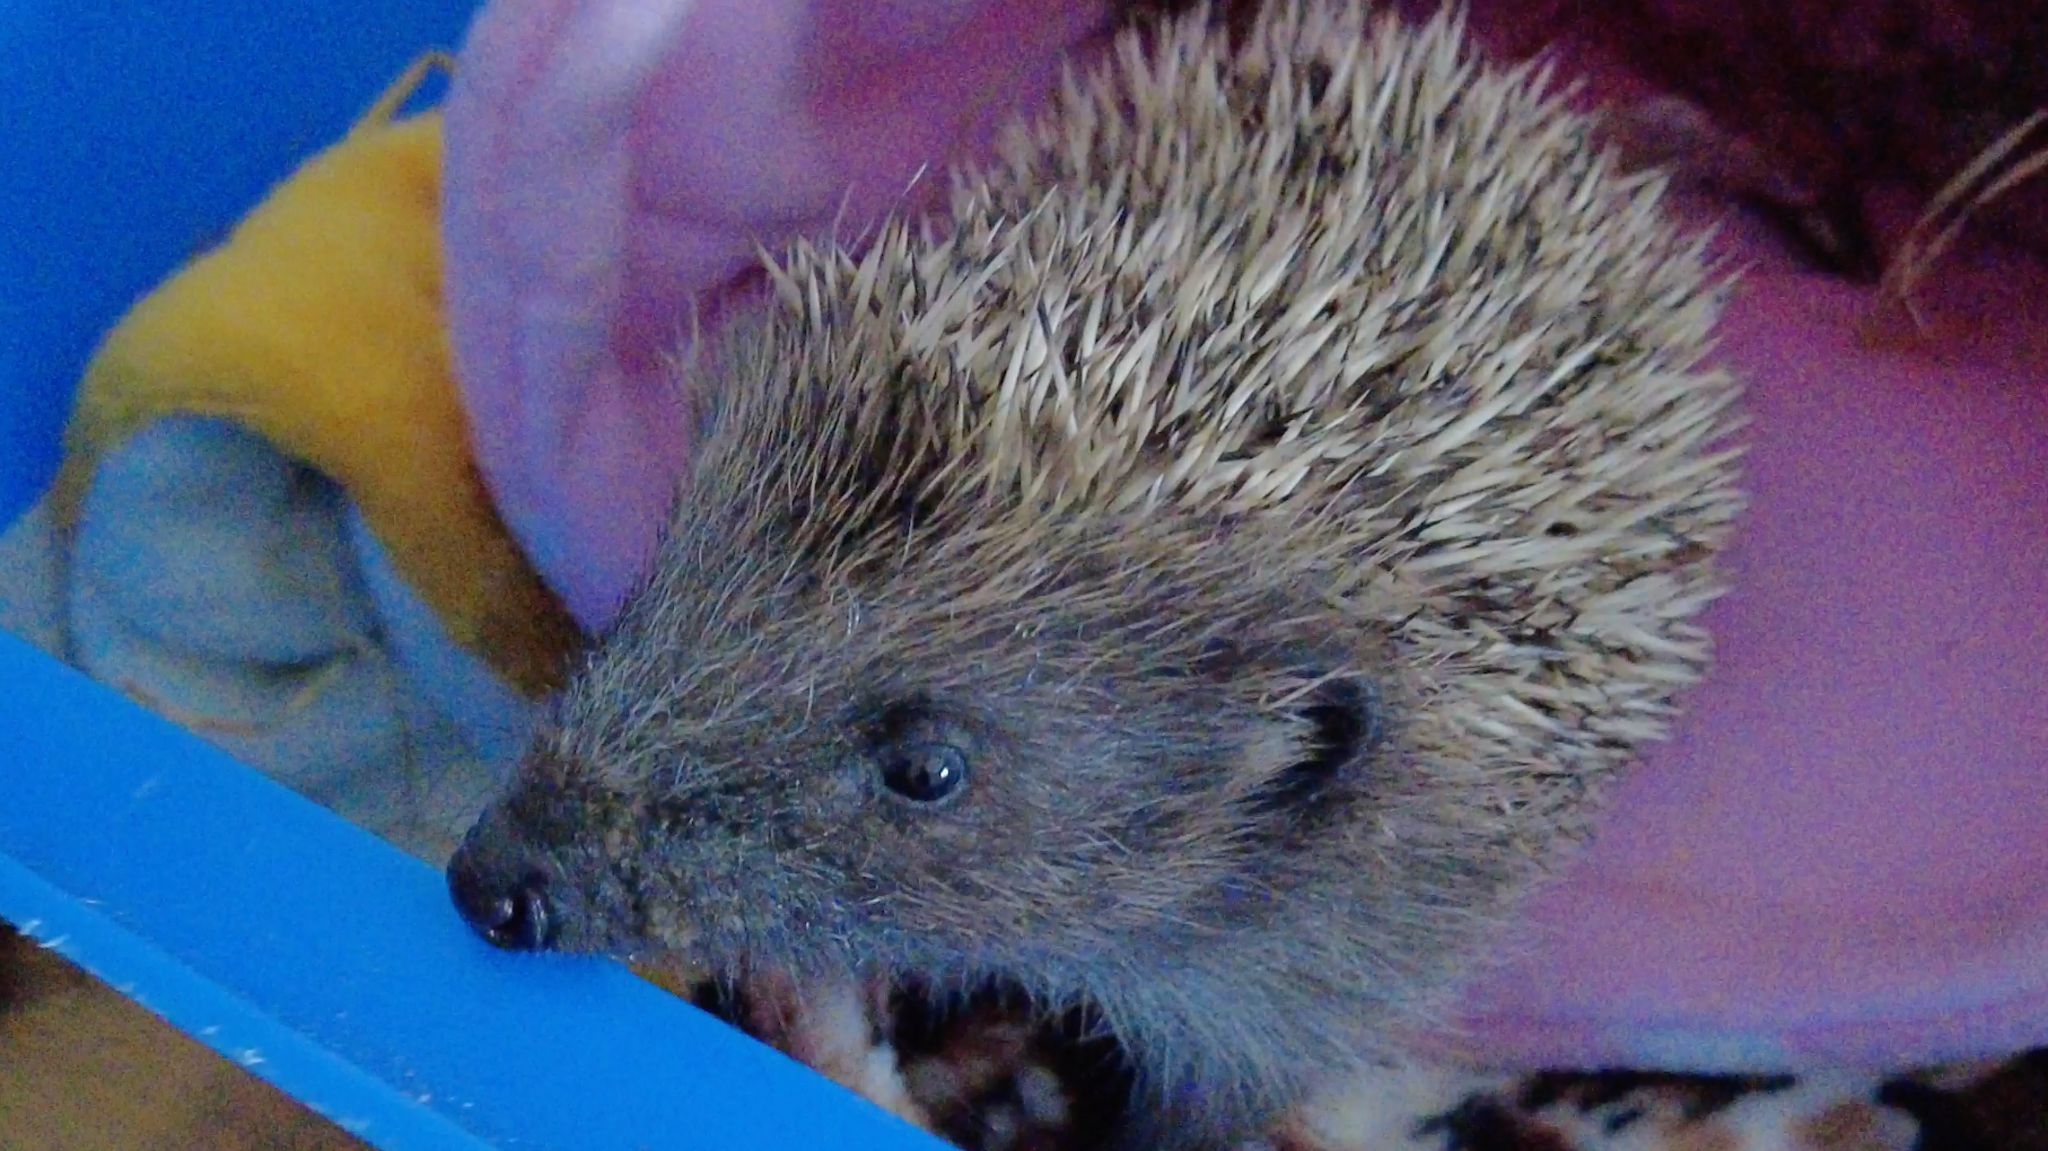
(1205, 579)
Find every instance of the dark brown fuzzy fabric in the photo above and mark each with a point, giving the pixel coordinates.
(1846, 100)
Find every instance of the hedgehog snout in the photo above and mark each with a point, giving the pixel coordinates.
(502, 889)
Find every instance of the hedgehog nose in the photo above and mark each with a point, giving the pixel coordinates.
(509, 909)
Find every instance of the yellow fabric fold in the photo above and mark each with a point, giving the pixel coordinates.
(318, 324)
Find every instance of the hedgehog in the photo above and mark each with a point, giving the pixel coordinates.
(1208, 576)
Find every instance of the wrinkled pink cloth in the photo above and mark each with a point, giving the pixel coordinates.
(1841, 856)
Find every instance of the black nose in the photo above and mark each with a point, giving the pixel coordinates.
(510, 911)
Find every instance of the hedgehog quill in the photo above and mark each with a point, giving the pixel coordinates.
(1208, 578)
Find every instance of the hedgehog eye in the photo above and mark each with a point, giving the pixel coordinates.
(916, 754)
(923, 772)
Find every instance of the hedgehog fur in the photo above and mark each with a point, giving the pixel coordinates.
(1208, 576)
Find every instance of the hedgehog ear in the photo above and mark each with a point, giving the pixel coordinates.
(1340, 723)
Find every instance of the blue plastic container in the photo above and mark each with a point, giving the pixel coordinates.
(306, 949)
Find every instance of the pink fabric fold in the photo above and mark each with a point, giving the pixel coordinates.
(1839, 858)
(611, 165)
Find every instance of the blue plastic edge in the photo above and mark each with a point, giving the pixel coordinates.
(74, 930)
(332, 965)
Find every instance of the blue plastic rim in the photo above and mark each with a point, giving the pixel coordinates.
(294, 943)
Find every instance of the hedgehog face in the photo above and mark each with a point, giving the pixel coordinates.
(1009, 754)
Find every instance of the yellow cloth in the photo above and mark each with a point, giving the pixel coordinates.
(318, 325)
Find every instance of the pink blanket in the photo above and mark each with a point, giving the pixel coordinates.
(1840, 858)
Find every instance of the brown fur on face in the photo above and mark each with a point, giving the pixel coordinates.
(1281, 496)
